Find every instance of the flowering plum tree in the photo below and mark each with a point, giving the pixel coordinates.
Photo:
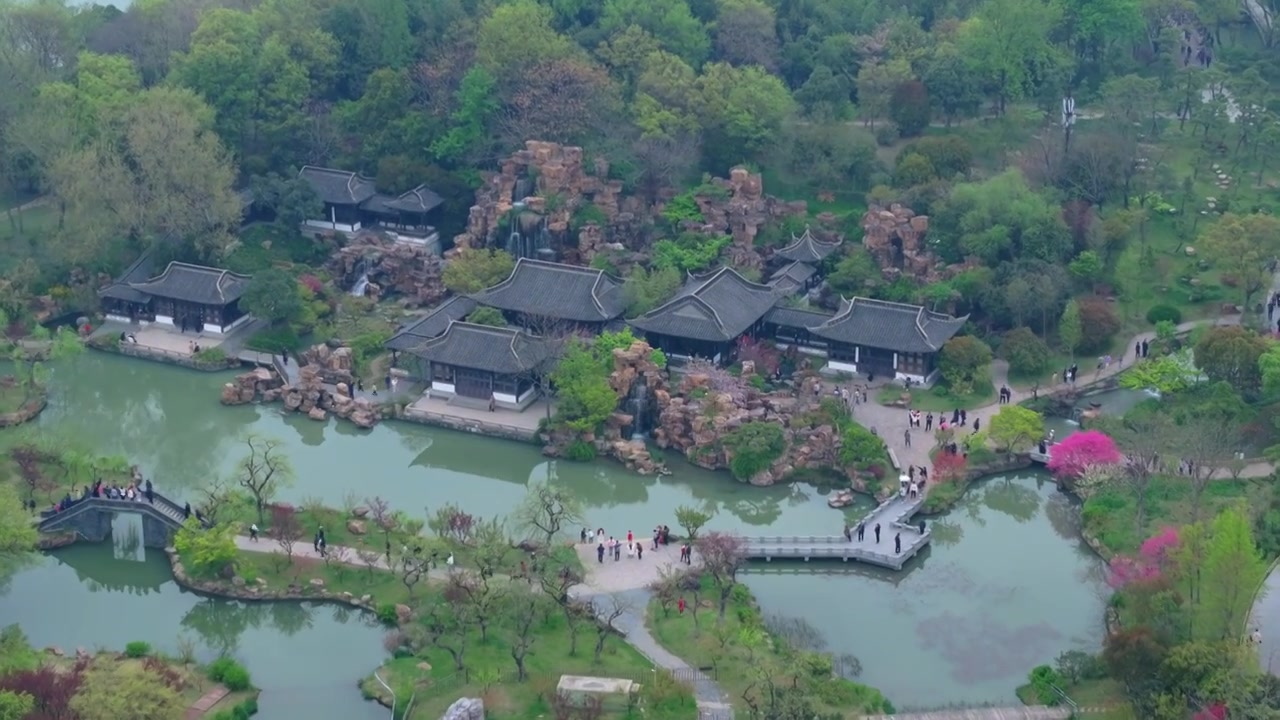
(1070, 458)
(1152, 561)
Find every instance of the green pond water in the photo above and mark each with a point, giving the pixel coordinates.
(1007, 584)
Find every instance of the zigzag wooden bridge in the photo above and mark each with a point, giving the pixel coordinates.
(892, 516)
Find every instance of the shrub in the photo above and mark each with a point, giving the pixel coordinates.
(1026, 353)
(950, 155)
(387, 614)
(886, 134)
(1043, 679)
(230, 673)
(245, 710)
(754, 447)
(913, 170)
(1164, 313)
(137, 649)
(213, 355)
(580, 451)
(909, 108)
(236, 678)
(1098, 323)
(273, 340)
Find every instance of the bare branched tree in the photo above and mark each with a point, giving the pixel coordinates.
(608, 610)
(723, 555)
(263, 471)
(285, 529)
(547, 510)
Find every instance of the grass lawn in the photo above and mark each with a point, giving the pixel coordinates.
(1110, 514)
(193, 679)
(278, 572)
(490, 673)
(706, 643)
(938, 398)
(1105, 695)
(12, 397)
(262, 245)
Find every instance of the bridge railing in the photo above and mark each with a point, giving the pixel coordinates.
(136, 505)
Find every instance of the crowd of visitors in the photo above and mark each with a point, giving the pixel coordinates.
(131, 491)
(613, 547)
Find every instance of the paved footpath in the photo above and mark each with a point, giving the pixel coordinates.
(890, 422)
(206, 701)
(1265, 618)
(625, 584)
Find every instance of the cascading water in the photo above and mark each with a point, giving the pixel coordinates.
(638, 405)
(362, 278)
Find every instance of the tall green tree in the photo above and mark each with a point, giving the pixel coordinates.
(1243, 246)
(1232, 571)
(670, 21)
(1009, 43)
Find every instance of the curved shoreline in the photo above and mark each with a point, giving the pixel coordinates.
(28, 412)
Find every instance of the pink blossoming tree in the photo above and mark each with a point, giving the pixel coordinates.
(1069, 459)
(1150, 564)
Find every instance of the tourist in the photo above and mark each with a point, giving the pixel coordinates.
(617, 550)
(186, 511)
(680, 605)
(964, 418)
(600, 553)
(1146, 347)
(315, 541)
(906, 437)
(449, 560)
(656, 533)
(253, 532)
(599, 534)
(897, 544)
(848, 533)
(915, 490)
(323, 545)
(924, 475)
(877, 529)
(955, 416)
(582, 536)
(928, 422)
(151, 495)
(666, 535)
(977, 422)
(639, 551)
(631, 549)
(630, 537)
(493, 403)
(862, 530)
(921, 527)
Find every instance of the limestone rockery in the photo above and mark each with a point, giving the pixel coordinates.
(694, 417)
(308, 395)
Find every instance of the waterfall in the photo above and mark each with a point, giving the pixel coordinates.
(362, 278)
(638, 404)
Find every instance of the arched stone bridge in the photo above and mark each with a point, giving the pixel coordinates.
(90, 518)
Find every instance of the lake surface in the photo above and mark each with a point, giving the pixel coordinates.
(1007, 584)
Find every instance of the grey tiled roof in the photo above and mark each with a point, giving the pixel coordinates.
(338, 187)
(792, 276)
(807, 249)
(139, 271)
(889, 325)
(557, 291)
(195, 283)
(417, 200)
(796, 317)
(506, 351)
(715, 307)
(433, 324)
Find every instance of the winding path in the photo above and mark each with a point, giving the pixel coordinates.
(890, 422)
(1265, 617)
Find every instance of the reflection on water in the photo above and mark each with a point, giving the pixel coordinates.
(1006, 579)
(999, 592)
(84, 596)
